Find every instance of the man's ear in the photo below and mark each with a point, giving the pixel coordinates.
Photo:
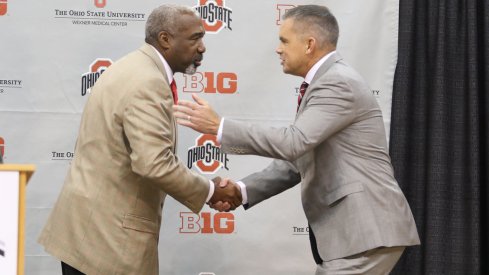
(164, 40)
(311, 45)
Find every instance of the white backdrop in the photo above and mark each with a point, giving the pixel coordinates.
(53, 51)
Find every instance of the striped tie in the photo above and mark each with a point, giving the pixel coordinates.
(302, 91)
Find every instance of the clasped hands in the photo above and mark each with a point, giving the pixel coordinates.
(200, 116)
(227, 195)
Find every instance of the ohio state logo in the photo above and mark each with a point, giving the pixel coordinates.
(221, 223)
(96, 69)
(3, 7)
(281, 10)
(100, 3)
(215, 15)
(2, 146)
(206, 155)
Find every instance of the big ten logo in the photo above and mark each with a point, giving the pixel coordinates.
(206, 155)
(282, 9)
(100, 3)
(3, 7)
(2, 146)
(95, 70)
(215, 15)
(206, 223)
(211, 82)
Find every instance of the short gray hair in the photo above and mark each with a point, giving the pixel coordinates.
(165, 18)
(317, 19)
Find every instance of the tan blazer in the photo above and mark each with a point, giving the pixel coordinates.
(108, 215)
(337, 148)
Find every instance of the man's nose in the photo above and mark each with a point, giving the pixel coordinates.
(201, 47)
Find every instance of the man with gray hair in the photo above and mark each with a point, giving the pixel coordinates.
(108, 215)
(359, 219)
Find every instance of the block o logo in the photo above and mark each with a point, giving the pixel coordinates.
(96, 69)
(207, 155)
(3, 7)
(100, 3)
(215, 15)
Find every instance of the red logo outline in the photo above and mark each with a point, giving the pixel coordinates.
(281, 10)
(2, 146)
(3, 7)
(100, 3)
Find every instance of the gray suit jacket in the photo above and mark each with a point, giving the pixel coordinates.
(108, 215)
(337, 149)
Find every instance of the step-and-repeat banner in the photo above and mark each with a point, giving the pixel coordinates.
(52, 52)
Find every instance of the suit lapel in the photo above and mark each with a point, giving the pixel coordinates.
(149, 51)
(321, 71)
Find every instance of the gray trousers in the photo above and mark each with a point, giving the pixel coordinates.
(377, 261)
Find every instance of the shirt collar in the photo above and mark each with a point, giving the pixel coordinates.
(312, 72)
(168, 70)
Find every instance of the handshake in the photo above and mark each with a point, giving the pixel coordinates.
(227, 195)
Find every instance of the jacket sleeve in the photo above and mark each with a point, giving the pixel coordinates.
(149, 128)
(277, 177)
(329, 108)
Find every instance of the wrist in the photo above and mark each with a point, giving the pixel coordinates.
(215, 129)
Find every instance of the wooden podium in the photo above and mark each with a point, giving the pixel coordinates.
(13, 181)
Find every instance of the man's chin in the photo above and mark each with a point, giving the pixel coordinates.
(192, 69)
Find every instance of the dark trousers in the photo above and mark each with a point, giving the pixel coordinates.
(314, 247)
(67, 269)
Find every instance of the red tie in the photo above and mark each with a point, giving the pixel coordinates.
(302, 91)
(173, 86)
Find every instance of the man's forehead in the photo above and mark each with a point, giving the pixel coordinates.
(187, 18)
(287, 24)
(191, 23)
(286, 27)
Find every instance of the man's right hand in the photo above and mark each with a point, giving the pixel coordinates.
(197, 115)
(227, 195)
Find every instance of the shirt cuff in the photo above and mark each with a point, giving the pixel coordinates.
(219, 131)
(211, 191)
(244, 195)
